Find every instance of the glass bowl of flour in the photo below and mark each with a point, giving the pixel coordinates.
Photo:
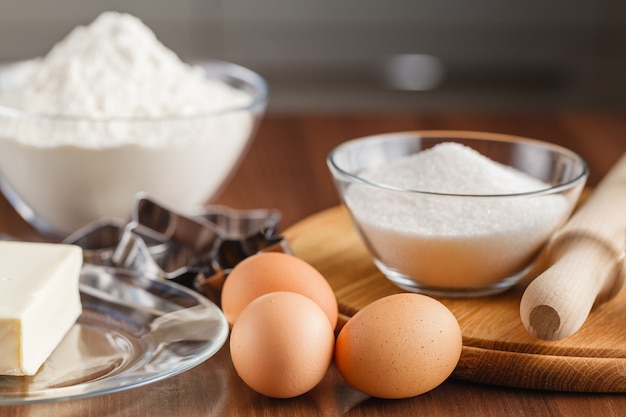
(110, 112)
(453, 213)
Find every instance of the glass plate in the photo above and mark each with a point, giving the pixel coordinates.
(133, 331)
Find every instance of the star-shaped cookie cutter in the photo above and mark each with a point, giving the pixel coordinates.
(196, 250)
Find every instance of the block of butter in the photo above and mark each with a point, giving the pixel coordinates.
(39, 302)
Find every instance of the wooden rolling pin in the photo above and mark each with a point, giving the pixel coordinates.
(587, 263)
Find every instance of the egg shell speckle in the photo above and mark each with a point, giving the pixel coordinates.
(282, 344)
(268, 272)
(399, 346)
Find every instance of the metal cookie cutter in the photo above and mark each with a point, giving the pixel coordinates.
(196, 250)
(100, 238)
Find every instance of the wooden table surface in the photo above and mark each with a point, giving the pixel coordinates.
(285, 169)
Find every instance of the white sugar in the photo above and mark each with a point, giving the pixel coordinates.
(453, 168)
(445, 240)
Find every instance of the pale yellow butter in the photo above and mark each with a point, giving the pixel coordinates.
(39, 302)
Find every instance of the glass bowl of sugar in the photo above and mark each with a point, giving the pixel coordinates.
(456, 213)
(111, 112)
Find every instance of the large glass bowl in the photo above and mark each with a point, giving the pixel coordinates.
(180, 161)
(456, 245)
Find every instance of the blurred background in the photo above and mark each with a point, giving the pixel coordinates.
(361, 55)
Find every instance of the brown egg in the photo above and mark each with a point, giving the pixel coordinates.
(282, 344)
(275, 271)
(399, 346)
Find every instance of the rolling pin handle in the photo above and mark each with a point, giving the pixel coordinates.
(588, 268)
(556, 304)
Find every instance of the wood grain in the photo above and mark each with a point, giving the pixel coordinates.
(285, 169)
(497, 348)
(586, 261)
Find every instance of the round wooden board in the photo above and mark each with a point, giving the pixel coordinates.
(497, 349)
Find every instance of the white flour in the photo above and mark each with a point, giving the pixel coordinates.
(128, 116)
(117, 68)
(447, 241)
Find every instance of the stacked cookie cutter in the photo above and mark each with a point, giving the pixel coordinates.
(196, 250)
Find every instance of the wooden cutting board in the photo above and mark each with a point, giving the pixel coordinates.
(497, 349)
